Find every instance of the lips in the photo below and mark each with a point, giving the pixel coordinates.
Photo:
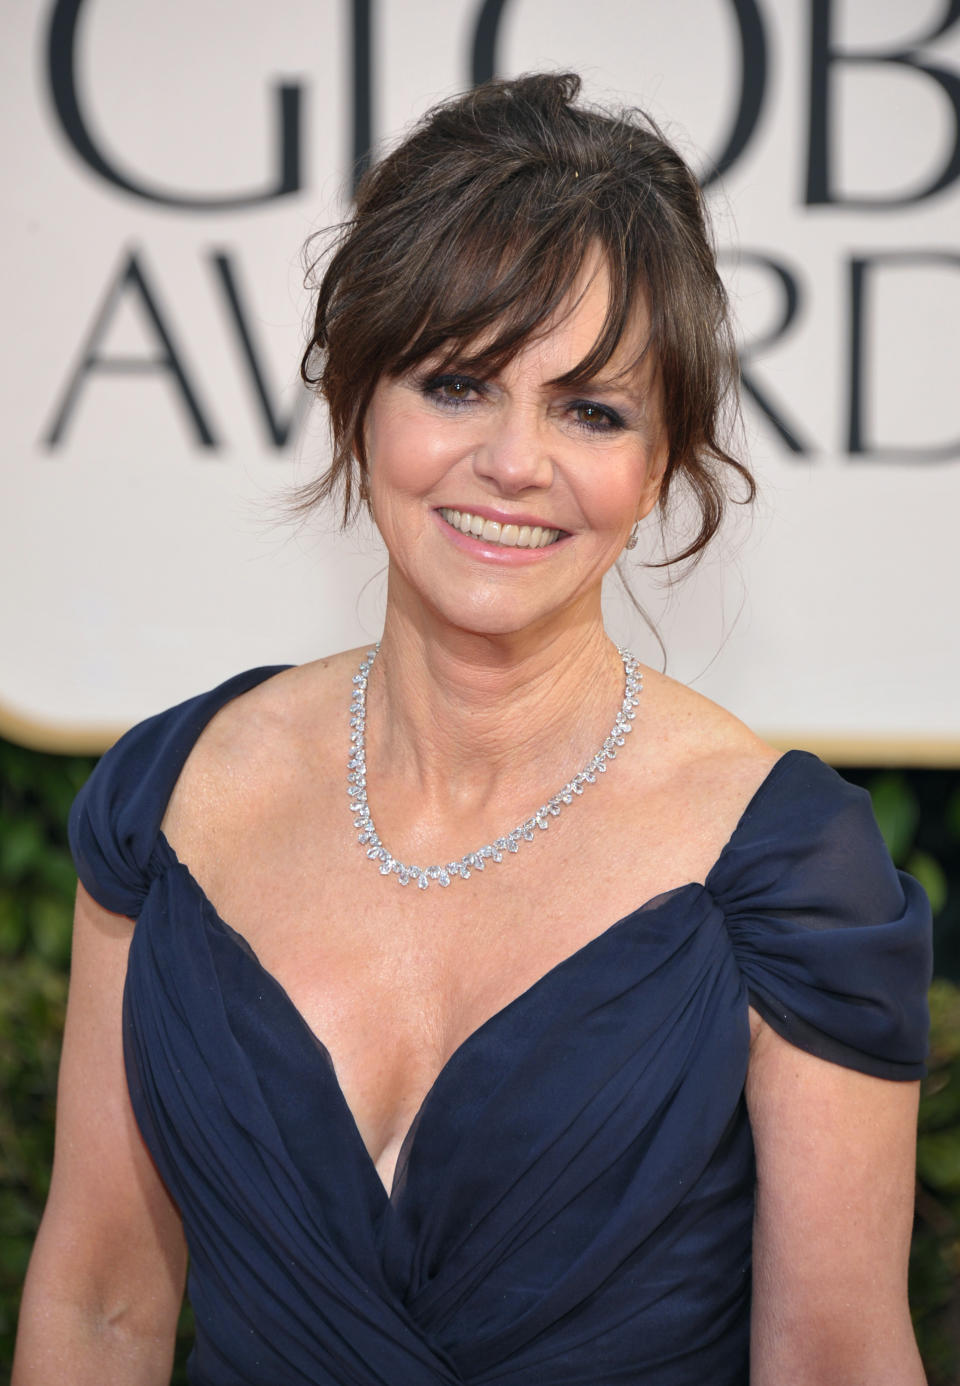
(510, 536)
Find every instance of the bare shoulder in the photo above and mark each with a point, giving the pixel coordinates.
(700, 742)
(259, 745)
(697, 768)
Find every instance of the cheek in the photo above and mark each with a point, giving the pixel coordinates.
(390, 444)
(621, 490)
(411, 453)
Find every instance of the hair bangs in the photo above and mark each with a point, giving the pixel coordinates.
(496, 285)
(493, 295)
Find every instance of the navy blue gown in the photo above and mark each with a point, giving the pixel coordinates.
(573, 1203)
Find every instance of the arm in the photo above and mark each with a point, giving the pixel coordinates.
(835, 1181)
(105, 1282)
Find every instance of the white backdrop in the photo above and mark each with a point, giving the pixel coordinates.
(163, 165)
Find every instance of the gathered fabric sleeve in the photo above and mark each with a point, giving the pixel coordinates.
(833, 943)
(115, 819)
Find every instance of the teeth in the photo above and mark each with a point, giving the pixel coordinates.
(492, 532)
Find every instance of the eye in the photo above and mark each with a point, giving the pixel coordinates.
(451, 389)
(596, 418)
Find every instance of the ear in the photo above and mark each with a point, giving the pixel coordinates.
(654, 480)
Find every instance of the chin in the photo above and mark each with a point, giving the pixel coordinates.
(490, 624)
(493, 619)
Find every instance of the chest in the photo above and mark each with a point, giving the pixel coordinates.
(393, 980)
(343, 938)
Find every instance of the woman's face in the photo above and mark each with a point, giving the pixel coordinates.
(503, 501)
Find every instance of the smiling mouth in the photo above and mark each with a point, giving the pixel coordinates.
(492, 532)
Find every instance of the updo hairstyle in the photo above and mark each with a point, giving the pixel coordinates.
(469, 235)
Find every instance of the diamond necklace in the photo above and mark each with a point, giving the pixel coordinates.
(493, 851)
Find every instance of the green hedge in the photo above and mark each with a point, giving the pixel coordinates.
(918, 811)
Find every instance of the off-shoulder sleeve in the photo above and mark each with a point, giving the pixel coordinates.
(834, 943)
(116, 817)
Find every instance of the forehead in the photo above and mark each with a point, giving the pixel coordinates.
(586, 336)
(573, 333)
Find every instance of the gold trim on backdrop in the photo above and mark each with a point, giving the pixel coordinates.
(930, 752)
(60, 738)
(942, 753)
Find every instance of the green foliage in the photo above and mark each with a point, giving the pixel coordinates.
(36, 889)
(935, 1259)
(915, 824)
(919, 814)
(37, 884)
(897, 808)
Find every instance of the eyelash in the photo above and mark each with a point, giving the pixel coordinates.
(433, 387)
(610, 421)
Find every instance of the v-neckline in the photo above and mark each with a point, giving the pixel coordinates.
(653, 903)
(572, 959)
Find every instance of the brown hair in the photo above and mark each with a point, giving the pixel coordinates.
(479, 223)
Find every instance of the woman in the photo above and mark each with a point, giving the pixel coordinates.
(497, 1126)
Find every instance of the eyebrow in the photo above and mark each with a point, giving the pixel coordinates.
(633, 373)
(624, 380)
(462, 361)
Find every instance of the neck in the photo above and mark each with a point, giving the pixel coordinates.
(458, 717)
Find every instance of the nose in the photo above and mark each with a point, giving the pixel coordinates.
(514, 453)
